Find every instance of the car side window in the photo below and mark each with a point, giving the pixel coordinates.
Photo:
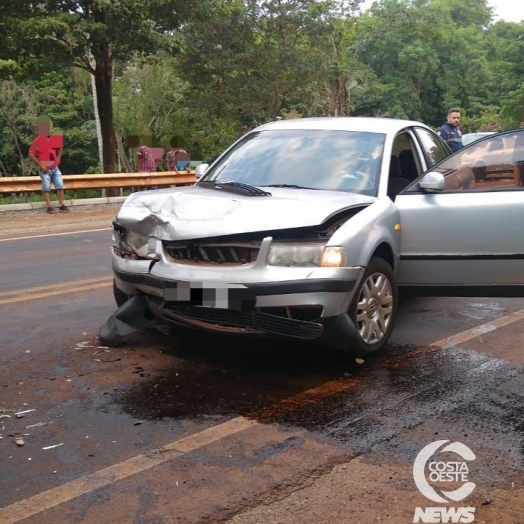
(405, 151)
(432, 146)
(490, 164)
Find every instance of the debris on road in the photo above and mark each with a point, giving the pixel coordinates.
(83, 345)
(38, 424)
(54, 446)
(19, 442)
(21, 414)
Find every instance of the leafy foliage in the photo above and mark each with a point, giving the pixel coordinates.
(205, 71)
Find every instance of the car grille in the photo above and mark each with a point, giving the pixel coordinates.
(205, 253)
(248, 320)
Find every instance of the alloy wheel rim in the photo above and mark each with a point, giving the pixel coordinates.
(374, 308)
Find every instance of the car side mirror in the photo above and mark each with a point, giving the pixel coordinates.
(432, 181)
(200, 170)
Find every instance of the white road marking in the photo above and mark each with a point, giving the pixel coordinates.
(70, 490)
(56, 234)
(104, 477)
(475, 332)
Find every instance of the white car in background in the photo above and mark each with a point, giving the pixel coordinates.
(469, 138)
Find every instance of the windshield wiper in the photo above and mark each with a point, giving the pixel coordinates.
(292, 186)
(235, 187)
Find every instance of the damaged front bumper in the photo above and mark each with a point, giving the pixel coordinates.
(304, 303)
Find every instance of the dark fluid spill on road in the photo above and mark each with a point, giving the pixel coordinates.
(229, 376)
(411, 399)
(395, 402)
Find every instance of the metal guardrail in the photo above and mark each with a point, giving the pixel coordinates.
(29, 184)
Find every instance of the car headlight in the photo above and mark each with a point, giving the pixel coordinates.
(306, 255)
(295, 255)
(333, 256)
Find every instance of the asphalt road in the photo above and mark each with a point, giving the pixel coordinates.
(187, 427)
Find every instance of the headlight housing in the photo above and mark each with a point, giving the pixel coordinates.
(140, 245)
(306, 255)
(143, 246)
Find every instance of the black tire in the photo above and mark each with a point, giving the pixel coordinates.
(374, 308)
(120, 297)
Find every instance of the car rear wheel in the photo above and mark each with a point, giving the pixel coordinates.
(120, 296)
(374, 308)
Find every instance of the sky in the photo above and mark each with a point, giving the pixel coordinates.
(509, 10)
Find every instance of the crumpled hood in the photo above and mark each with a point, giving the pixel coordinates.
(197, 212)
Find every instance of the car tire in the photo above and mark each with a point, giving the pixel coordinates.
(120, 297)
(374, 308)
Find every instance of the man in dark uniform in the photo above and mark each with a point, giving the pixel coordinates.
(450, 131)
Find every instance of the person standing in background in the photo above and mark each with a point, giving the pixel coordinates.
(46, 152)
(145, 161)
(450, 131)
(177, 158)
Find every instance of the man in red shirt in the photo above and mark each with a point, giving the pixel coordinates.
(46, 152)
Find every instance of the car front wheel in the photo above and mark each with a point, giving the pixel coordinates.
(374, 307)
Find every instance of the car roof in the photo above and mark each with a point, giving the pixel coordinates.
(344, 123)
(469, 138)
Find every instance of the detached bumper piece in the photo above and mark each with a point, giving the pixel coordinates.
(133, 315)
(230, 320)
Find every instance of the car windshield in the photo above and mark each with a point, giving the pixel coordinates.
(314, 159)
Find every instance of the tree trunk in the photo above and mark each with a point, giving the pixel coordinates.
(103, 82)
(97, 117)
(97, 122)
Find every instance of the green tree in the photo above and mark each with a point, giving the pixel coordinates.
(65, 102)
(149, 101)
(507, 66)
(52, 33)
(427, 55)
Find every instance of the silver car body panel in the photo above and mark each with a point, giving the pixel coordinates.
(196, 212)
(223, 277)
(484, 251)
(431, 238)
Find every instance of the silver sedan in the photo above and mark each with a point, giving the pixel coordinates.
(307, 228)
